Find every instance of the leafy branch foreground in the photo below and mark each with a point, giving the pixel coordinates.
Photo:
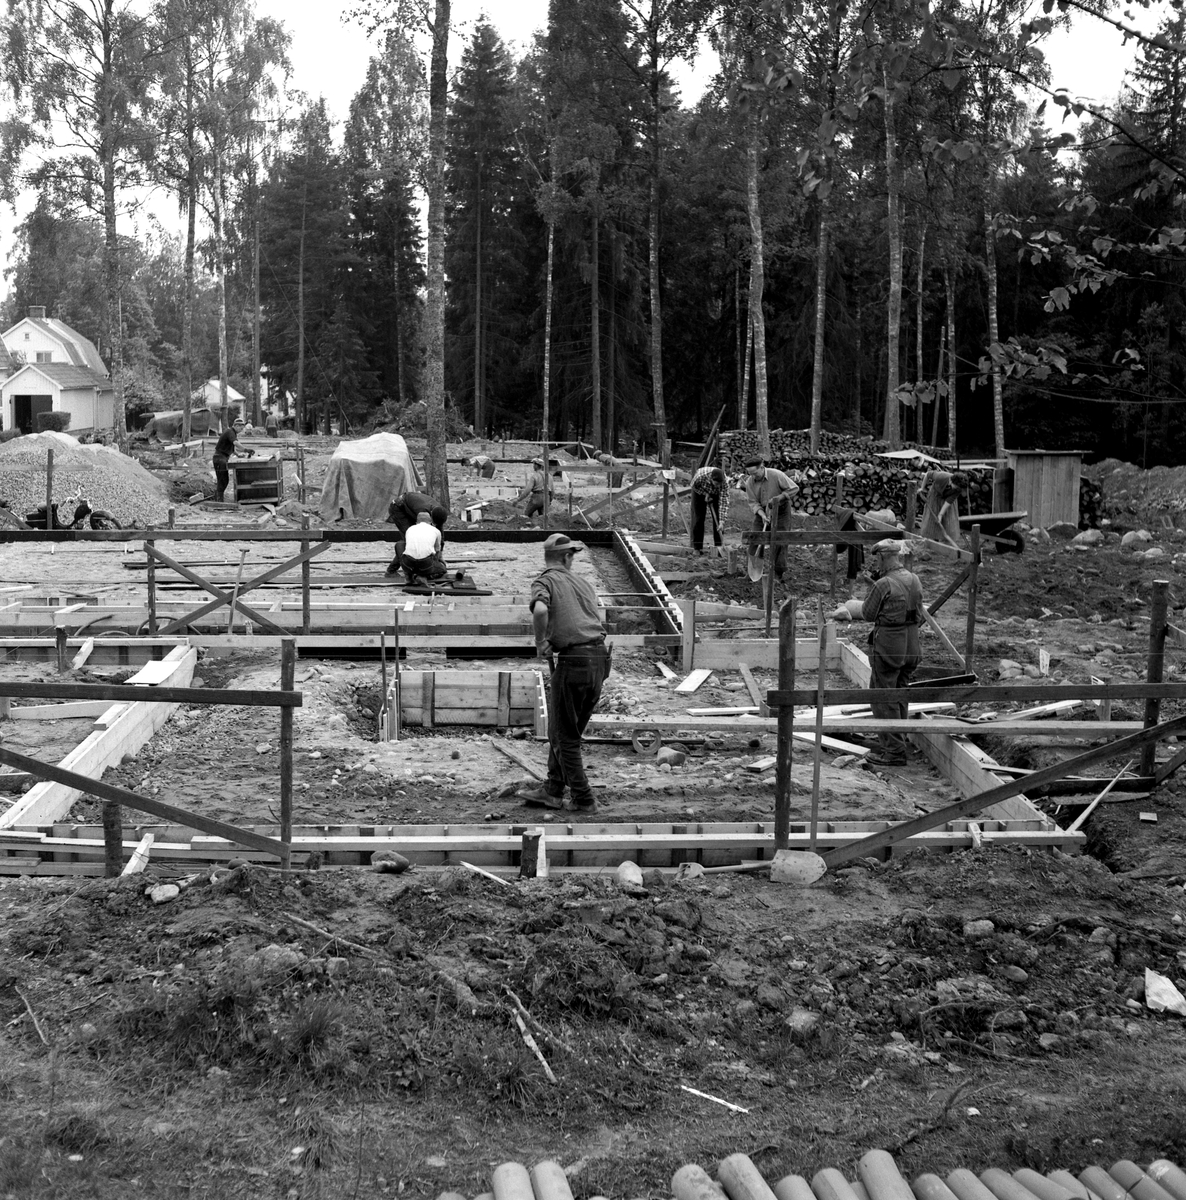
(353, 1029)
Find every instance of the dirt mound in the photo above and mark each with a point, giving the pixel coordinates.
(107, 478)
(1136, 497)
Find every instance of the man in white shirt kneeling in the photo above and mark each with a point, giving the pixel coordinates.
(422, 550)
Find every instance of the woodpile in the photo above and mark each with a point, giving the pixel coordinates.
(1091, 503)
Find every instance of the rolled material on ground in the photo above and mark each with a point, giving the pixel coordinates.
(795, 1187)
(742, 1180)
(511, 1182)
(881, 1177)
(1100, 1182)
(1043, 1188)
(693, 1182)
(931, 1187)
(1130, 1176)
(550, 1182)
(1169, 1176)
(967, 1187)
(1073, 1185)
(1004, 1186)
(829, 1184)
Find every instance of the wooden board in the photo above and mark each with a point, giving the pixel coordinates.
(59, 712)
(695, 680)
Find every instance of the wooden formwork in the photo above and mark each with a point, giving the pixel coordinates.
(428, 699)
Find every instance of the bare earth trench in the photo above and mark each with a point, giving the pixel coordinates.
(219, 1046)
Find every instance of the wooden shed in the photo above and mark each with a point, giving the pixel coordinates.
(1046, 484)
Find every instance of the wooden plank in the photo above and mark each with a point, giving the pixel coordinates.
(504, 697)
(751, 686)
(516, 757)
(83, 654)
(136, 692)
(139, 860)
(664, 670)
(135, 726)
(427, 699)
(990, 693)
(52, 712)
(1091, 730)
(694, 681)
(965, 808)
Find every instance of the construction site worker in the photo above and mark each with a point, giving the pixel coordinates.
(482, 464)
(894, 606)
(567, 625)
(710, 494)
(402, 513)
(422, 551)
(223, 449)
(533, 489)
(272, 425)
(769, 492)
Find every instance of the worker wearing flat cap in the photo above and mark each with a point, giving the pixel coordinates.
(533, 490)
(769, 493)
(567, 625)
(894, 605)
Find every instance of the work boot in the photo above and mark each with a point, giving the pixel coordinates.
(587, 806)
(540, 797)
(392, 569)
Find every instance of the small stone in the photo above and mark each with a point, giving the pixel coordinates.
(162, 893)
(455, 754)
(1062, 529)
(1101, 933)
(1013, 974)
(262, 748)
(976, 930)
(1135, 537)
(1089, 537)
(389, 862)
(1154, 552)
(1049, 1041)
(802, 1020)
(770, 997)
(371, 769)
(629, 874)
(314, 753)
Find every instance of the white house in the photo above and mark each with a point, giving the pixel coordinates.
(62, 372)
(209, 396)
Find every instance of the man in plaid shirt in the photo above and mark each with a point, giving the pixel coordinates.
(710, 491)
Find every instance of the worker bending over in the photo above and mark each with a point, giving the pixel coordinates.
(567, 624)
(710, 495)
(403, 513)
(533, 489)
(894, 605)
(482, 464)
(421, 558)
(769, 492)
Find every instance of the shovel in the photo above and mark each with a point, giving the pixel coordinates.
(787, 866)
(754, 563)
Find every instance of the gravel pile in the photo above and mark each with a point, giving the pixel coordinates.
(106, 477)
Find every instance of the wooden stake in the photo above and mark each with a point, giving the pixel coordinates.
(547, 480)
(113, 840)
(148, 545)
(1078, 822)
(818, 748)
(287, 679)
(1155, 665)
(172, 518)
(769, 576)
(306, 619)
(49, 489)
(786, 720)
(60, 638)
(911, 505)
(973, 591)
(688, 646)
(230, 621)
(666, 502)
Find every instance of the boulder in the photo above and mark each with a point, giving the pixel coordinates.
(1154, 552)
(1135, 537)
(1062, 529)
(1089, 537)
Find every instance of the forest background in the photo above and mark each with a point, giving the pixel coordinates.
(868, 222)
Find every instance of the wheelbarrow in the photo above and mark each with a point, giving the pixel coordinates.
(994, 527)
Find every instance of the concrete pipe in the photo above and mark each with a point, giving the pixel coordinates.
(693, 1182)
(742, 1180)
(881, 1177)
(1098, 1180)
(1043, 1188)
(1130, 1176)
(931, 1187)
(1073, 1185)
(829, 1184)
(967, 1187)
(1004, 1186)
(1171, 1177)
(795, 1187)
(511, 1182)
(549, 1181)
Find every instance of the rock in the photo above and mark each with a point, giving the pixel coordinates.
(689, 870)
(802, 1020)
(1153, 552)
(1049, 1041)
(654, 879)
(768, 996)
(1101, 933)
(976, 930)
(629, 874)
(1008, 668)
(1134, 537)
(1089, 537)
(389, 862)
(262, 748)
(1012, 973)
(274, 960)
(162, 893)
(670, 756)
(197, 682)
(1062, 529)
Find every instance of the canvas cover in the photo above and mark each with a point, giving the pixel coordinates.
(167, 425)
(365, 475)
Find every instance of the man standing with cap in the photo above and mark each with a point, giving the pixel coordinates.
(566, 623)
(769, 492)
(894, 605)
(533, 490)
(223, 449)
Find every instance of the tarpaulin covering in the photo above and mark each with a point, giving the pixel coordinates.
(364, 476)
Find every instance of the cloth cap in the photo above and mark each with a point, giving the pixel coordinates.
(756, 461)
(239, 421)
(888, 546)
(561, 543)
(537, 462)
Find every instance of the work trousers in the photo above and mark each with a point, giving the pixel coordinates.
(701, 506)
(222, 476)
(430, 568)
(575, 691)
(486, 471)
(399, 516)
(893, 657)
(782, 522)
(535, 504)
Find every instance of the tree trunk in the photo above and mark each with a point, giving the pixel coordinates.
(548, 341)
(653, 234)
(257, 414)
(749, 354)
(891, 430)
(435, 466)
(611, 350)
(397, 285)
(856, 407)
(821, 309)
(757, 279)
(300, 384)
(938, 387)
(919, 424)
(949, 287)
(742, 341)
(990, 270)
(478, 414)
(111, 259)
(220, 276)
(191, 207)
(595, 331)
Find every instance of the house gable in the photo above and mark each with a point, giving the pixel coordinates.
(38, 334)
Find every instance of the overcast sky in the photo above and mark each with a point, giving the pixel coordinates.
(329, 57)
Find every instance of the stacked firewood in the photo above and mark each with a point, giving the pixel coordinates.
(1091, 503)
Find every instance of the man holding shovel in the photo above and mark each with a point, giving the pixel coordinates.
(769, 493)
(894, 605)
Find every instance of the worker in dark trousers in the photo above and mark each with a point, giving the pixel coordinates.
(402, 513)
(894, 605)
(421, 559)
(482, 464)
(567, 625)
(769, 493)
(710, 494)
(223, 449)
